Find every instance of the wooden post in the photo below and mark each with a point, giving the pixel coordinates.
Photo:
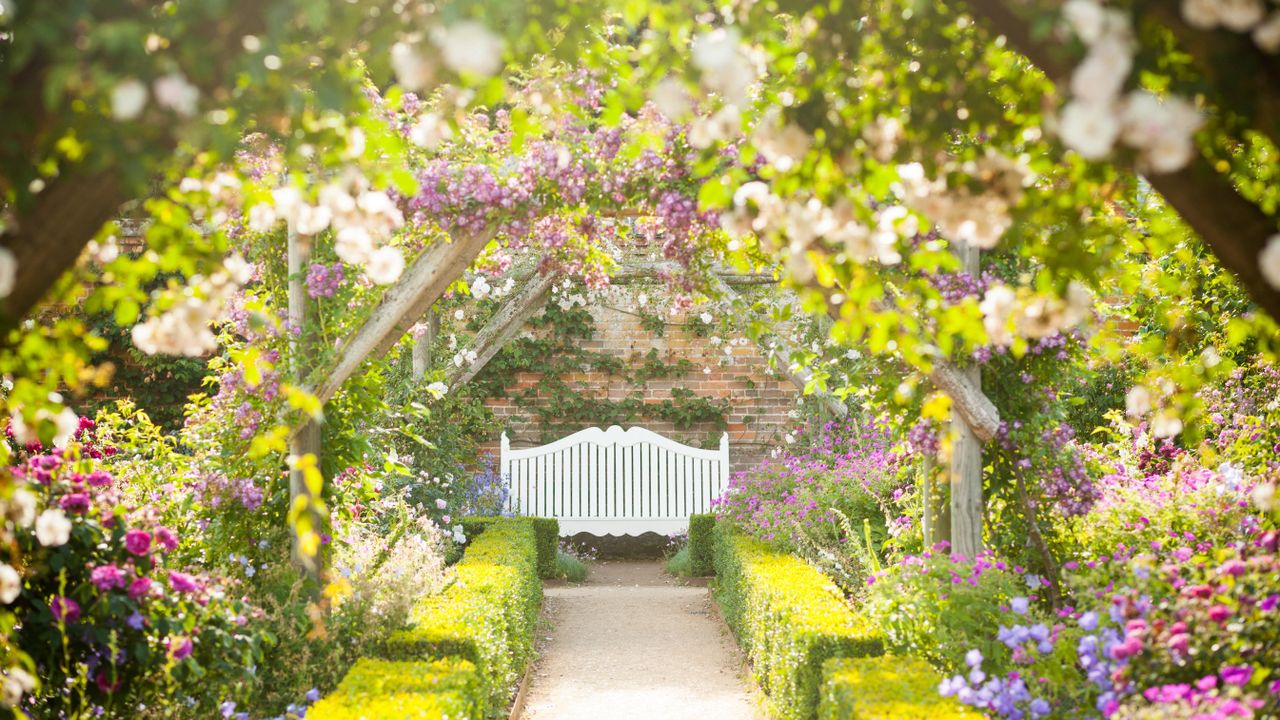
(422, 346)
(306, 441)
(966, 454)
(503, 326)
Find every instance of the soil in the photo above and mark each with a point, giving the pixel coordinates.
(634, 643)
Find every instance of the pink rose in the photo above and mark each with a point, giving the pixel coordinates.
(106, 577)
(1219, 613)
(167, 539)
(182, 582)
(139, 588)
(137, 542)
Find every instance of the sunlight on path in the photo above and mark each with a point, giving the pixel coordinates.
(633, 644)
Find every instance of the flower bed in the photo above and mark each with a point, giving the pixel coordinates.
(485, 619)
(885, 688)
(788, 617)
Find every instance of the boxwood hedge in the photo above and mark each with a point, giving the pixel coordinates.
(885, 688)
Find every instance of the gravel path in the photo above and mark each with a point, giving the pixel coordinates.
(633, 644)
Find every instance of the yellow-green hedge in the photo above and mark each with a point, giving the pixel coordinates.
(789, 618)
(380, 689)
(484, 619)
(701, 544)
(885, 688)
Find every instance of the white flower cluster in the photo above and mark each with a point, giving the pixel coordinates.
(464, 357)
(361, 219)
(481, 288)
(186, 327)
(173, 92)
(464, 47)
(979, 219)
(1242, 16)
(724, 64)
(782, 145)
(65, 421)
(724, 124)
(756, 210)
(1009, 313)
(1097, 116)
(1140, 402)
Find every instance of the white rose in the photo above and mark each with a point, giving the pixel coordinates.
(1089, 128)
(10, 584)
(1241, 15)
(174, 92)
(128, 98)
(18, 683)
(471, 47)
(671, 98)
(431, 131)
(1269, 261)
(312, 219)
(1137, 402)
(997, 307)
(412, 70)
(1086, 19)
(67, 423)
(53, 529)
(1166, 425)
(716, 50)
(1267, 35)
(1200, 14)
(22, 508)
(1100, 76)
(385, 265)
(8, 271)
(353, 245)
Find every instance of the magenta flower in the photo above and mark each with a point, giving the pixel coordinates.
(75, 503)
(139, 588)
(106, 577)
(167, 539)
(180, 648)
(1236, 674)
(182, 582)
(137, 542)
(65, 609)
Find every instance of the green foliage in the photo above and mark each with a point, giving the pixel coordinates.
(570, 567)
(158, 384)
(679, 563)
(561, 405)
(702, 544)
(392, 690)
(788, 617)
(547, 532)
(885, 688)
(487, 615)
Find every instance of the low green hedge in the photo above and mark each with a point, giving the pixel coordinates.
(789, 618)
(484, 620)
(885, 688)
(701, 544)
(547, 533)
(434, 690)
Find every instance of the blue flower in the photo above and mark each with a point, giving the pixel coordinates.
(1020, 605)
(973, 658)
(227, 708)
(313, 695)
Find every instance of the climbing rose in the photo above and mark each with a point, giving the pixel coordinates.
(106, 577)
(137, 542)
(167, 539)
(139, 588)
(182, 582)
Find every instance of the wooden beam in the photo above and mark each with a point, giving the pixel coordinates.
(966, 451)
(307, 440)
(503, 326)
(639, 272)
(419, 287)
(967, 399)
(422, 345)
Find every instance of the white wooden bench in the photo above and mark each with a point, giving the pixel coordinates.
(615, 481)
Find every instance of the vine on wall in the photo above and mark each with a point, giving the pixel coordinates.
(558, 406)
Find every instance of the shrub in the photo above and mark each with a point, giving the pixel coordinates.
(701, 544)
(570, 567)
(487, 615)
(391, 690)
(547, 533)
(885, 688)
(678, 564)
(789, 618)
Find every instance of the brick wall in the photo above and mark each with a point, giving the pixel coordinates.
(758, 402)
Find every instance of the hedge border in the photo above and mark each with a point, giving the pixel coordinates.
(547, 534)
(376, 688)
(885, 688)
(702, 544)
(485, 619)
(788, 617)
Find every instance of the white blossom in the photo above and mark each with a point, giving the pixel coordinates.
(412, 70)
(1267, 34)
(1166, 425)
(1269, 261)
(53, 529)
(1161, 128)
(438, 389)
(469, 46)
(385, 265)
(128, 98)
(10, 583)
(312, 219)
(1241, 15)
(1100, 77)
(1264, 496)
(17, 682)
(174, 92)
(1090, 129)
(705, 131)
(783, 147)
(716, 49)
(353, 245)
(22, 508)
(998, 306)
(671, 98)
(1137, 402)
(1200, 14)
(8, 271)
(431, 131)
(1086, 19)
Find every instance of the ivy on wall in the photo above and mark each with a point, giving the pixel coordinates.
(556, 352)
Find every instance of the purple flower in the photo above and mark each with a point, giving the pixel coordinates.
(182, 582)
(180, 648)
(65, 609)
(1019, 605)
(106, 577)
(1236, 674)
